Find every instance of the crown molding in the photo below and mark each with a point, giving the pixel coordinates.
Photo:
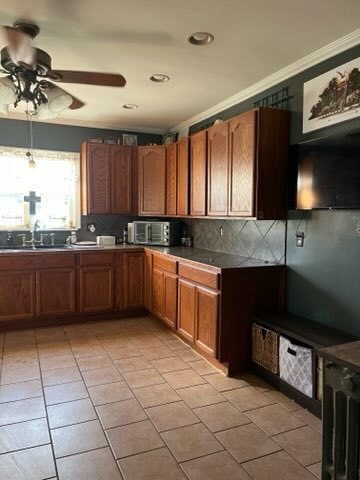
(328, 51)
(87, 124)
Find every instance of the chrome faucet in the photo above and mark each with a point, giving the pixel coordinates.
(33, 240)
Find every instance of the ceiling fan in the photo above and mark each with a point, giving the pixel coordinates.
(29, 76)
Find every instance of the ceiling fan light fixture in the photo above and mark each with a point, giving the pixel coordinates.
(7, 91)
(200, 38)
(43, 112)
(4, 108)
(159, 78)
(58, 100)
(130, 106)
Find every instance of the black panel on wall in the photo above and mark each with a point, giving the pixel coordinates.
(66, 138)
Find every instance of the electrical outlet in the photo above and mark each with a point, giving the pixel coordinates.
(91, 227)
(300, 236)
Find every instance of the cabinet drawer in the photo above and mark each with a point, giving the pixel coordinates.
(97, 258)
(36, 260)
(167, 264)
(209, 278)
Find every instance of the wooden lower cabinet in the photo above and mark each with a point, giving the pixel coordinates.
(198, 314)
(207, 314)
(186, 309)
(133, 280)
(164, 296)
(55, 291)
(17, 299)
(157, 292)
(170, 299)
(148, 281)
(96, 289)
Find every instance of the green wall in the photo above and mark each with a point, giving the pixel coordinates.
(323, 277)
(14, 133)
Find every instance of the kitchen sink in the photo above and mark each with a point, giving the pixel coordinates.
(30, 247)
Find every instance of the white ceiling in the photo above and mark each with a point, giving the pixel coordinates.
(253, 39)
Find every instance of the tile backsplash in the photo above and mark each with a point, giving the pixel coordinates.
(262, 239)
(105, 225)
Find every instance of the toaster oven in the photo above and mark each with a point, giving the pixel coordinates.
(156, 233)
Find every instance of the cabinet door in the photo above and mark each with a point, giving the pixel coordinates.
(134, 280)
(218, 159)
(55, 291)
(17, 295)
(171, 180)
(96, 289)
(198, 146)
(206, 332)
(186, 309)
(183, 176)
(119, 281)
(242, 165)
(148, 281)
(121, 179)
(152, 180)
(170, 299)
(96, 174)
(158, 292)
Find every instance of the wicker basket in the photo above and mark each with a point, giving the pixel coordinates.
(265, 348)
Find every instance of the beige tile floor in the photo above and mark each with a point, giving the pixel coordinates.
(125, 399)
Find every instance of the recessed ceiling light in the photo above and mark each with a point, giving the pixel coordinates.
(200, 38)
(159, 78)
(130, 106)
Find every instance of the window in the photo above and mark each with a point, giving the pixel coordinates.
(46, 190)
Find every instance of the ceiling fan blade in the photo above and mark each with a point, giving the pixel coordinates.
(20, 46)
(88, 78)
(76, 103)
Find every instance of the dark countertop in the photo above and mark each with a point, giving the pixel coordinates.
(212, 258)
(347, 354)
(198, 255)
(55, 249)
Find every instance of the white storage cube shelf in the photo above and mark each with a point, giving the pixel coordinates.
(296, 366)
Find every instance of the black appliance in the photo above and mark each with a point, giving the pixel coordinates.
(328, 173)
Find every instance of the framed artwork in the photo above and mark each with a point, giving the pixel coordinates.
(129, 139)
(332, 97)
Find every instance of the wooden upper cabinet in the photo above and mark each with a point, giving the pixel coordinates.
(152, 180)
(242, 165)
(95, 173)
(272, 158)
(121, 158)
(198, 147)
(183, 176)
(217, 169)
(171, 179)
(107, 179)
